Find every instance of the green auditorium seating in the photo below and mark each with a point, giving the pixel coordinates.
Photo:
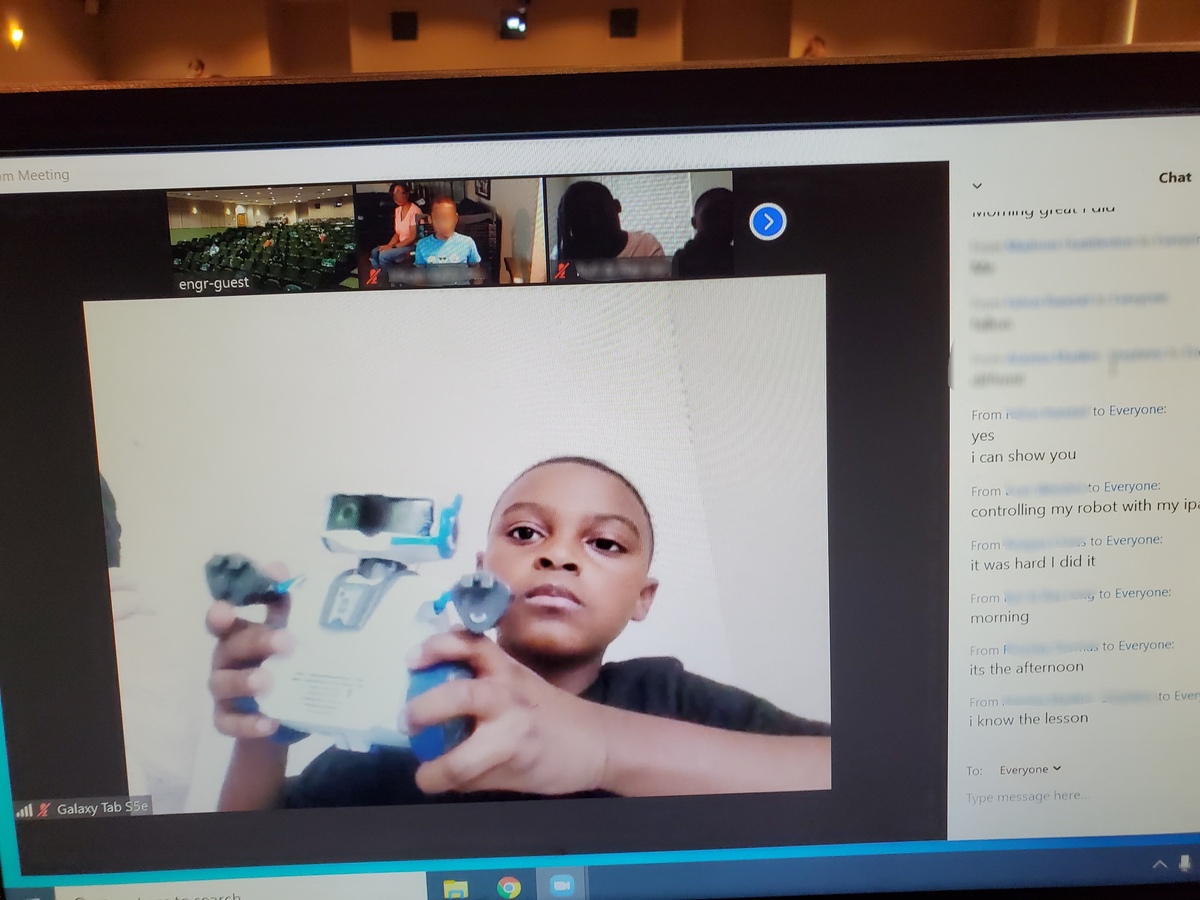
(296, 260)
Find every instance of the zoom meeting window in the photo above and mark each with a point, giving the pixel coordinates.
(519, 514)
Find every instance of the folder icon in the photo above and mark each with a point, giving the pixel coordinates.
(454, 890)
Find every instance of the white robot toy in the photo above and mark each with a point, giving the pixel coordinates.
(347, 677)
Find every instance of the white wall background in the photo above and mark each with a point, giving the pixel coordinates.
(518, 202)
(706, 181)
(224, 424)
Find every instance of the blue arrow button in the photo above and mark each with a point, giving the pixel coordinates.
(768, 221)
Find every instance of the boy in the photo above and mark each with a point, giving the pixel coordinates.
(710, 253)
(445, 246)
(573, 539)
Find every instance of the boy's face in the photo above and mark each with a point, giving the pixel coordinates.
(714, 216)
(445, 219)
(573, 544)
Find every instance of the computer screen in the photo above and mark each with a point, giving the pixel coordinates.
(726, 498)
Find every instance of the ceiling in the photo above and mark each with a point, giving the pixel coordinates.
(268, 196)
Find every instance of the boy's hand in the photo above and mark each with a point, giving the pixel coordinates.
(241, 648)
(529, 735)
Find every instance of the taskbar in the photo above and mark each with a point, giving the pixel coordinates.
(767, 872)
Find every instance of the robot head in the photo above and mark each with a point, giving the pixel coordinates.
(407, 530)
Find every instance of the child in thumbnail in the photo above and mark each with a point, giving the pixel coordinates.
(405, 235)
(445, 246)
(574, 540)
(710, 253)
(589, 227)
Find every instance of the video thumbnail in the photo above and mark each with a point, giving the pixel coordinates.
(635, 227)
(460, 232)
(263, 239)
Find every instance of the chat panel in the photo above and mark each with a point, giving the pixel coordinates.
(1075, 503)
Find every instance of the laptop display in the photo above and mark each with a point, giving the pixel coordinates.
(786, 500)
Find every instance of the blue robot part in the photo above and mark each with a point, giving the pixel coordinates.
(430, 743)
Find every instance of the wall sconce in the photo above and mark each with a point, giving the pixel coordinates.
(16, 34)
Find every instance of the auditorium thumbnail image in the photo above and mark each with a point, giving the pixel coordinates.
(640, 226)
(479, 231)
(264, 239)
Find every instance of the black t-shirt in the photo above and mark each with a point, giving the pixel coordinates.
(702, 257)
(658, 686)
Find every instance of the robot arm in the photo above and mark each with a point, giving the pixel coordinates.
(480, 600)
(235, 578)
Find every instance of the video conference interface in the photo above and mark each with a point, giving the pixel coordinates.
(361, 552)
(656, 559)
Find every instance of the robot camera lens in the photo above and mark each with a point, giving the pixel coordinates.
(345, 513)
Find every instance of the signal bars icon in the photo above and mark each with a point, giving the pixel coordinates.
(25, 812)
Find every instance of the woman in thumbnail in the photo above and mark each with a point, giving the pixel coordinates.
(404, 237)
(589, 226)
